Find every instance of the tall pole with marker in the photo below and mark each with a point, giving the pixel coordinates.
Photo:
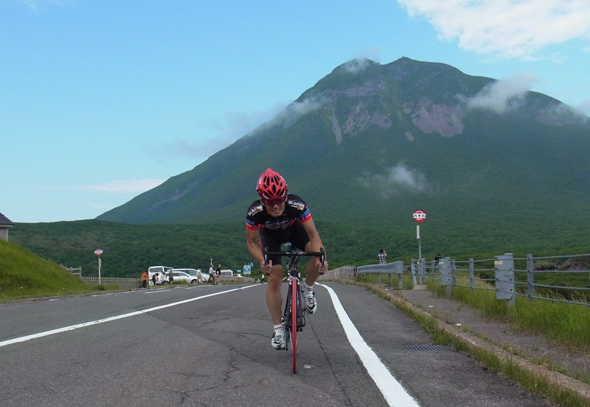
(419, 216)
(98, 253)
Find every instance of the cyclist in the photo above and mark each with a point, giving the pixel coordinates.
(278, 217)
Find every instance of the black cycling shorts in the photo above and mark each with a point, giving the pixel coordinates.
(273, 239)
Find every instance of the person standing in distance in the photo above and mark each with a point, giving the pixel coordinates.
(218, 274)
(382, 257)
(278, 217)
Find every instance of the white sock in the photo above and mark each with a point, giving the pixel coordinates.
(279, 329)
(307, 289)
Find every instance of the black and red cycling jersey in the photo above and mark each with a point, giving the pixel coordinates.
(295, 208)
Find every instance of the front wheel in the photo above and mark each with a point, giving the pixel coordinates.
(294, 306)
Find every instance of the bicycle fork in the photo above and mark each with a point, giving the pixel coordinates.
(300, 308)
(286, 319)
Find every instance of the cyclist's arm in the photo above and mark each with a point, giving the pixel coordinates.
(314, 236)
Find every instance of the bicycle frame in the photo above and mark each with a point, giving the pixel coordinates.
(294, 315)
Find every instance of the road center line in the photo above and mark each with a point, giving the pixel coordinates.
(114, 318)
(392, 390)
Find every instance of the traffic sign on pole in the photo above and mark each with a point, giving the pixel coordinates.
(98, 252)
(419, 216)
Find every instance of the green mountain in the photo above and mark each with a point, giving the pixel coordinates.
(371, 143)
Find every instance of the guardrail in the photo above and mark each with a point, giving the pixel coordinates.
(537, 278)
(342, 273)
(532, 277)
(123, 282)
(397, 267)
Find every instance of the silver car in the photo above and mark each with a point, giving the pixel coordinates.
(189, 275)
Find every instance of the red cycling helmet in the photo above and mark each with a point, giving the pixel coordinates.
(271, 185)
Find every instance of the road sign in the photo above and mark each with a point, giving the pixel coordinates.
(98, 252)
(419, 216)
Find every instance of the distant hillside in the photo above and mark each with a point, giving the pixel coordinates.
(129, 249)
(24, 274)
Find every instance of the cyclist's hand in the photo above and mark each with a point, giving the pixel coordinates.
(321, 269)
(266, 267)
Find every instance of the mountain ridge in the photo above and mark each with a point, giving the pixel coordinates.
(371, 143)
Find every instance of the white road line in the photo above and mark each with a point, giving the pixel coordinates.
(116, 317)
(157, 291)
(392, 390)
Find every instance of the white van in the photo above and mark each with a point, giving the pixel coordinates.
(161, 270)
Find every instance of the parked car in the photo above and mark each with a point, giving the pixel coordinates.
(188, 275)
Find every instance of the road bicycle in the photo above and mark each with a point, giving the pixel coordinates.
(294, 315)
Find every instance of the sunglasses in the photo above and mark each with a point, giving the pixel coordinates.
(273, 202)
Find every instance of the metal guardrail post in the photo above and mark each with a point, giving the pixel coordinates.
(446, 277)
(422, 269)
(399, 270)
(472, 274)
(530, 276)
(504, 272)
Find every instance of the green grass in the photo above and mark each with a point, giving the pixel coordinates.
(26, 275)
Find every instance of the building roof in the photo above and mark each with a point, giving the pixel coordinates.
(4, 221)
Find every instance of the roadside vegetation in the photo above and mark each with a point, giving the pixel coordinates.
(560, 323)
(26, 275)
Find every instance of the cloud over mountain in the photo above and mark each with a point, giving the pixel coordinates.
(505, 28)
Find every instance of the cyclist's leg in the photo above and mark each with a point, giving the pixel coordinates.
(307, 287)
(274, 299)
(272, 241)
(300, 239)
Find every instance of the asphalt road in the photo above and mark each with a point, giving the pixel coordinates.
(210, 346)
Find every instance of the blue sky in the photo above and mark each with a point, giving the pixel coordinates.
(103, 100)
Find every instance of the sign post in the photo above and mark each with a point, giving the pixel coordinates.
(98, 253)
(419, 216)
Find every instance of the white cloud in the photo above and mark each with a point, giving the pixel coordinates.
(193, 149)
(396, 179)
(38, 6)
(295, 110)
(122, 186)
(356, 65)
(505, 28)
(584, 107)
(214, 135)
(102, 207)
(504, 94)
